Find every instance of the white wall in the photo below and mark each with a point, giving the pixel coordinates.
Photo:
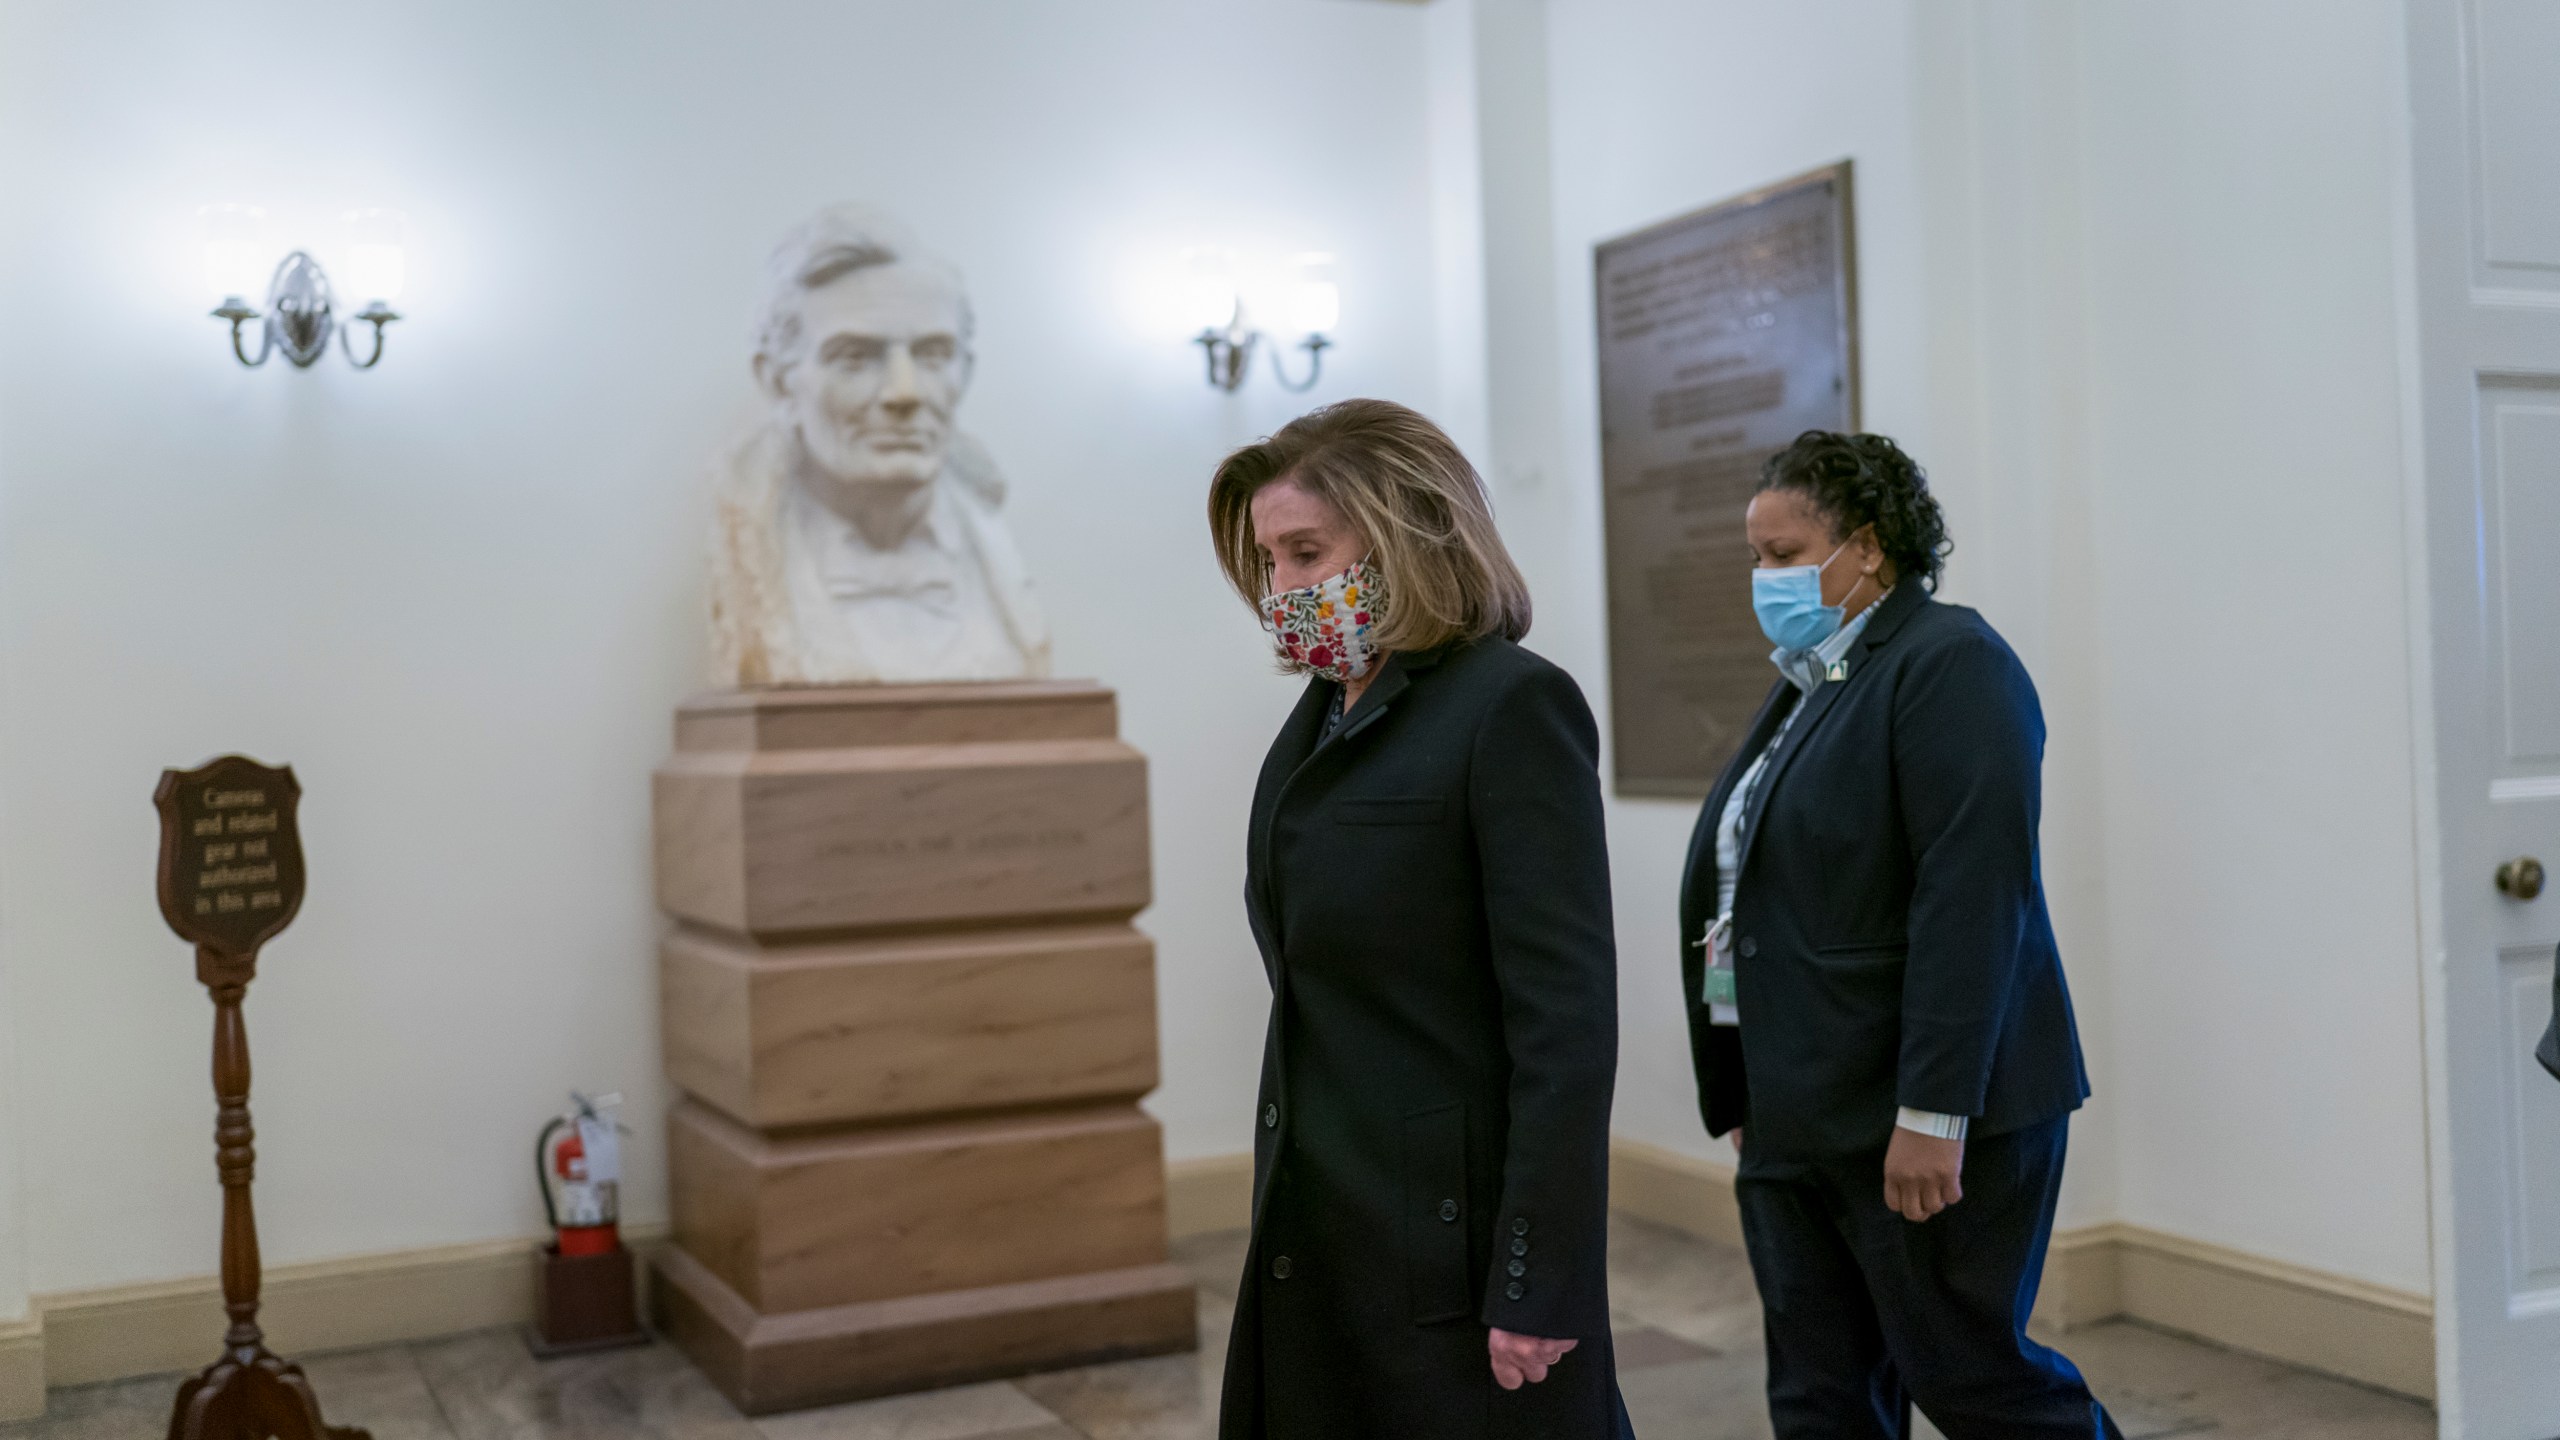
(2252, 622)
(461, 593)
(2126, 286)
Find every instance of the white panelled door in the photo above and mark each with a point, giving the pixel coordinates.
(2485, 169)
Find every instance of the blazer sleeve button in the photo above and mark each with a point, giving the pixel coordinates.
(1519, 1247)
(1449, 1210)
(1519, 1268)
(1270, 1117)
(1514, 1290)
(1520, 1226)
(1749, 947)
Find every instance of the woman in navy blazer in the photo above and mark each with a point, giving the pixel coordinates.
(1877, 1008)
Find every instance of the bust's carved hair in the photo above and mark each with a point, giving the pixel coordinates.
(826, 247)
(1402, 483)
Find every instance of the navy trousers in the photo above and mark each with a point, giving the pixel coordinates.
(1867, 1313)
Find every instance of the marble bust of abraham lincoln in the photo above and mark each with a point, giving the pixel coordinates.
(859, 534)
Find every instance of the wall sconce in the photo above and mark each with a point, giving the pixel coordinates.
(1215, 305)
(301, 311)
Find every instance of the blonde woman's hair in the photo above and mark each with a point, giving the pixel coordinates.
(1402, 483)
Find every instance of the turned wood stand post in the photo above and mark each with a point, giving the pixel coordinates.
(231, 879)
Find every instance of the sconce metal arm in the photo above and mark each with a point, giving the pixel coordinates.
(240, 313)
(299, 318)
(378, 315)
(1315, 346)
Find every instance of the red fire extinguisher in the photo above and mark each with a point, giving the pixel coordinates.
(577, 1160)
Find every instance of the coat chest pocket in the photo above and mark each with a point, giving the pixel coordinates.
(1390, 810)
(1435, 1214)
(1861, 956)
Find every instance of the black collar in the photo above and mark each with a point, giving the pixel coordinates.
(1392, 681)
(1892, 611)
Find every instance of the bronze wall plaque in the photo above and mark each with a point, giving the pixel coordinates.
(1723, 334)
(230, 853)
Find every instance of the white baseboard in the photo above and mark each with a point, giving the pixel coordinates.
(1214, 1192)
(2367, 1333)
(21, 1369)
(1669, 1188)
(86, 1336)
(2362, 1332)
(83, 1337)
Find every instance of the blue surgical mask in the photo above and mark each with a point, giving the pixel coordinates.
(1789, 604)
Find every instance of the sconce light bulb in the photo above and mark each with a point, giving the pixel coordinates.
(1318, 307)
(377, 254)
(237, 261)
(376, 272)
(1315, 301)
(1208, 291)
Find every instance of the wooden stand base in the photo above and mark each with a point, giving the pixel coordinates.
(912, 1023)
(583, 1303)
(251, 1394)
(788, 1361)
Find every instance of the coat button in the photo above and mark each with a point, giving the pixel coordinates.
(1519, 1247)
(1520, 1226)
(1519, 1268)
(1270, 1117)
(1280, 1267)
(1449, 1210)
(1514, 1290)
(1749, 947)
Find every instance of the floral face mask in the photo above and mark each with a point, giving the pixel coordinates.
(1325, 626)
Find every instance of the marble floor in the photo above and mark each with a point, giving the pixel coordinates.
(1688, 1354)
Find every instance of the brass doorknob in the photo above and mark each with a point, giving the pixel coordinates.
(2520, 879)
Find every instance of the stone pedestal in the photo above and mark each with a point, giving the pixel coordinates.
(912, 1023)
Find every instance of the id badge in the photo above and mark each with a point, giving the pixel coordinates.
(1718, 988)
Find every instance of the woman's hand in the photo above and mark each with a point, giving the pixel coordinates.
(1523, 1359)
(1922, 1174)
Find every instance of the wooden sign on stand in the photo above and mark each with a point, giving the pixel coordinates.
(230, 880)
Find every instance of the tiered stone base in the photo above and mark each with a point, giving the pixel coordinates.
(912, 1022)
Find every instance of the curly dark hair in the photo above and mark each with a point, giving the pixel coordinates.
(1860, 480)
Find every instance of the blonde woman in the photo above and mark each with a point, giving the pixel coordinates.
(1428, 882)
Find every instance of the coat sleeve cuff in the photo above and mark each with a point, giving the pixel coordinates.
(1930, 1122)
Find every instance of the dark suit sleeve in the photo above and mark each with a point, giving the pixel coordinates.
(2548, 1052)
(1968, 750)
(1534, 797)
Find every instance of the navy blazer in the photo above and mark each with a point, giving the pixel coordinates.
(1891, 942)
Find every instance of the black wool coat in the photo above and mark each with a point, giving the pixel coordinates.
(1891, 941)
(1430, 891)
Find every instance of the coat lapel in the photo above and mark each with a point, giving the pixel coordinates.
(1392, 681)
(1300, 749)
(1773, 711)
(1296, 741)
(1890, 616)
